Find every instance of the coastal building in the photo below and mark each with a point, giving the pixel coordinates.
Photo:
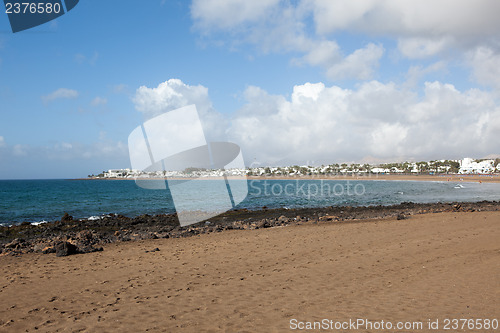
(464, 166)
(116, 173)
(470, 166)
(381, 170)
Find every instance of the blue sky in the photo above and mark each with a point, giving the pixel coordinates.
(289, 81)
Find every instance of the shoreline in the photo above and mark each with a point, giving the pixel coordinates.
(487, 178)
(90, 235)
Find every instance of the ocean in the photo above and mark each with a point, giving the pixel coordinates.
(37, 201)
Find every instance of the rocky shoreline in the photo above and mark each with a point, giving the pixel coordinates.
(68, 236)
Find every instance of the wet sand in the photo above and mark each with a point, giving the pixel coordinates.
(430, 266)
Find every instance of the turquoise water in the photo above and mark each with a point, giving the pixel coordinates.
(48, 200)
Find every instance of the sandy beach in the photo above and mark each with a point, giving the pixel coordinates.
(474, 178)
(431, 266)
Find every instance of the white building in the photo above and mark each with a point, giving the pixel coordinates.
(469, 166)
(380, 170)
(116, 173)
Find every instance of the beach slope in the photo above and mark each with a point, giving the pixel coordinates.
(430, 266)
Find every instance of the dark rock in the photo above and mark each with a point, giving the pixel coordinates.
(65, 249)
(401, 216)
(49, 249)
(85, 235)
(16, 243)
(89, 249)
(67, 218)
(38, 247)
(263, 224)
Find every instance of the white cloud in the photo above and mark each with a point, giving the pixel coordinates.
(462, 18)
(387, 139)
(306, 92)
(62, 159)
(327, 124)
(360, 64)
(228, 14)
(485, 65)
(417, 72)
(422, 29)
(61, 93)
(20, 150)
(170, 95)
(323, 123)
(418, 48)
(64, 151)
(99, 101)
(279, 26)
(174, 94)
(2, 141)
(66, 145)
(323, 53)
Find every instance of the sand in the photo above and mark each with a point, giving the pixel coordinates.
(432, 266)
(473, 178)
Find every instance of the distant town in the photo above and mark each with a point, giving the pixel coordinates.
(466, 166)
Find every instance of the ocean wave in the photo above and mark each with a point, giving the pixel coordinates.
(39, 222)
